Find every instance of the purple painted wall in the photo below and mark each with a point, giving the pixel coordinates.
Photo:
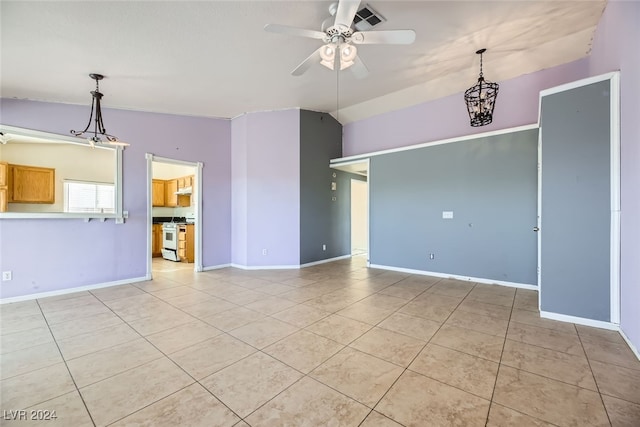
(615, 47)
(266, 198)
(48, 255)
(447, 117)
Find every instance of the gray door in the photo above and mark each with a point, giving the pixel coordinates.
(575, 222)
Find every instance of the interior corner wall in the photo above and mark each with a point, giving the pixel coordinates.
(266, 189)
(490, 186)
(615, 48)
(324, 213)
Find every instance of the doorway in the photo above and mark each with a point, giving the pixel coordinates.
(359, 217)
(174, 205)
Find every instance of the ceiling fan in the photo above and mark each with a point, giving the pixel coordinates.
(339, 50)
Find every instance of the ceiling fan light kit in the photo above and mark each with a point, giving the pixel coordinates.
(339, 40)
(94, 136)
(481, 99)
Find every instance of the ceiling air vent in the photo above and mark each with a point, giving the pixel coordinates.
(367, 18)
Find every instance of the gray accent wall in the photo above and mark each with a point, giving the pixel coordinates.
(576, 206)
(490, 185)
(322, 220)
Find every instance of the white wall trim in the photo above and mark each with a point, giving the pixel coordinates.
(352, 159)
(265, 267)
(215, 267)
(580, 320)
(73, 290)
(578, 83)
(457, 277)
(630, 344)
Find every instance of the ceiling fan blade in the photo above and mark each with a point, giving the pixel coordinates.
(358, 68)
(294, 31)
(314, 58)
(346, 12)
(384, 37)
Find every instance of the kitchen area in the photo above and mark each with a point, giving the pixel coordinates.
(173, 211)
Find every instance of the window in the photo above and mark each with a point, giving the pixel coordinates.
(83, 196)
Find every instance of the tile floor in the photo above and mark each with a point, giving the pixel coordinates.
(331, 345)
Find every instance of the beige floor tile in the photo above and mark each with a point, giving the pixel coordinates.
(415, 400)
(427, 310)
(88, 324)
(452, 288)
(617, 381)
(308, 403)
(246, 296)
(403, 292)
(174, 339)
(138, 307)
(64, 411)
(533, 319)
(622, 413)
(208, 308)
(270, 305)
(390, 346)
(303, 350)
(241, 424)
(484, 309)
(328, 302)
(384, 301)
(547, 338)
(18, 322)
(50, 306)
(375, 419)
(526, 300)
(29, 359)
(430, 298)
(301, 295)
(613, 353)
(115, 292)
(263, 332)
(103, 364)
(560, 366)
(549, 400)
(338, 328)
(471, 342)
(192, 298)
(276, 288)
(166, 294)
(232, 319)
(161, 321)
(76, 313)
(500, 416)
(365, 313)
(417, 327)
(478, 322)
(469, 373)
(301, 315)
(90, 342)
(358, 375)
(157, 284)
(118, 396)
(207, 357)
(597, 335)
(22, 308)
(23, 340)
(492, 297)
(251, 382)
(192, 406)
(35, 387)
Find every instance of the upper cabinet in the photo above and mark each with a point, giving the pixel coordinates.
(164, 192)
(31, 184)
(158, 193)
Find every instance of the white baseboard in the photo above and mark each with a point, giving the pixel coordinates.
(630, 344)
(265, 267)
(457, 277)
(580, 320)
(74, 290)
(324, 261)
(215, 267)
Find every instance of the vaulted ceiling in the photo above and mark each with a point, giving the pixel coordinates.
(213, 58)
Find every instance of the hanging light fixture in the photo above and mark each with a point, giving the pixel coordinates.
(481, 99)
(94, 136)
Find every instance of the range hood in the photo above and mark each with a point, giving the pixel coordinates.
(184, 191)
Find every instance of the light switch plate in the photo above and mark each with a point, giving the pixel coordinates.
(447, 214)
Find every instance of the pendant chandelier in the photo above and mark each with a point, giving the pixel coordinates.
(481, 99)
(98, 131)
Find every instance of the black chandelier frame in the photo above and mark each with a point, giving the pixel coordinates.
(481, 98)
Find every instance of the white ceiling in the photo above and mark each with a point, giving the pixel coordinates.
(212, 58)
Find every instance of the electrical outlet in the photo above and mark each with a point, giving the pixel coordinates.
(324, 247)
(432, 256)
(264, 252)
(6, 276)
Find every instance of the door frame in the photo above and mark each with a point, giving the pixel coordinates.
(366, 218)
(614, 167)
(197, 193)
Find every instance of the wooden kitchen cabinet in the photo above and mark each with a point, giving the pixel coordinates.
(31, 184)
(186, 243)
(4, 186)
(171, 198)
(156, 240)
(158, 193)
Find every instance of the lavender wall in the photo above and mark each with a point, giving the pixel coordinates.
(266, 198)
(48, 255)
(447, 117)
(615, 47)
